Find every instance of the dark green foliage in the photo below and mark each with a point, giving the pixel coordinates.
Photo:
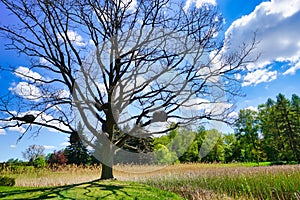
(140, 146)
(280, 121)
(77, 154)
(7, 181)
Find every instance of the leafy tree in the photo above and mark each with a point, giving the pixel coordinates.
(231, 149)
(247, 132)
(212, 148)
(192, 153)
(33, 152)
(163, 155)
(58, 158)
(40, 162)
(147, 58)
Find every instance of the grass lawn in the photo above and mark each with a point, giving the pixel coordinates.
(89, 190)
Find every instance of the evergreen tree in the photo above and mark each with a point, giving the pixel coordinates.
(77, 153)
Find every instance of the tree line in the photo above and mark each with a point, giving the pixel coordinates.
(272, 132)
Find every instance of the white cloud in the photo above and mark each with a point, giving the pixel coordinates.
(12, 146)
(49, 147)
(64, 144)
(251, 108)
(17, 129)
(45, 62)
(292, 70)
(2, 132)
(233, 115)
(74, 37)
(199, 3)
(130, 4)
(63, 94)
(259, 76)
(276, 24)
(27, 91)
(27, 74)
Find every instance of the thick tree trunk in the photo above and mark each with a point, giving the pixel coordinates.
(107, 161)
(107, 172)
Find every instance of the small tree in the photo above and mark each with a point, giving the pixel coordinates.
(40, 162)
(58, 158)
(33, 152)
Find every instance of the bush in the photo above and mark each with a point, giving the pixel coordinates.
(278, 163)
(7, 181)
(39, 162)
(293, 163)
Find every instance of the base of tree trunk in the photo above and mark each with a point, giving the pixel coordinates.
(107, 173)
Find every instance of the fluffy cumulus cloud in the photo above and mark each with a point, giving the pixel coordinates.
(27, 74)
(276, 24)
(75, 38)
(199, 3)
(27, 91)
(259, 76)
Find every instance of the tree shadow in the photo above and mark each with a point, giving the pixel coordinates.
(88, 190)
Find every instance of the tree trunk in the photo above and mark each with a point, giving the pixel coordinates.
(107, 172)
(107, 161)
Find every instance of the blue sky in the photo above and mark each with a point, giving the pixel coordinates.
(277, 26)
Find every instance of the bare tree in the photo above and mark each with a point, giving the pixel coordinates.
(107, 64)
(33, 152)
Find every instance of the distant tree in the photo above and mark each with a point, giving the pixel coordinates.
(33, 152)
(231, 148)
(40, 162)
(273, 139)
(14, 161)
(58, 158)
(212, 147)
(163, 155)
(77, 153)
(247, 132)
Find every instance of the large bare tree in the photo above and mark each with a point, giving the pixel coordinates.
(115, 63)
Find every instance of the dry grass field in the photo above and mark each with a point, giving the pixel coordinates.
(190, 181)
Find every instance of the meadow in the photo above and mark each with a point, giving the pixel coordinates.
(189, 181)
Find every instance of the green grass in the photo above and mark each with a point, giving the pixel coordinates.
(238, 183)
(89, 190)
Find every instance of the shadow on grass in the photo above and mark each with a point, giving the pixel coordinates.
(88, 190)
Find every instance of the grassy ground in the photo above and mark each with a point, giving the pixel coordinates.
(90, 190)
(190, 181)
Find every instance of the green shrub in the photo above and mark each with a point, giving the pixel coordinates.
(40, 162)
(7, 181)
(278, 163)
